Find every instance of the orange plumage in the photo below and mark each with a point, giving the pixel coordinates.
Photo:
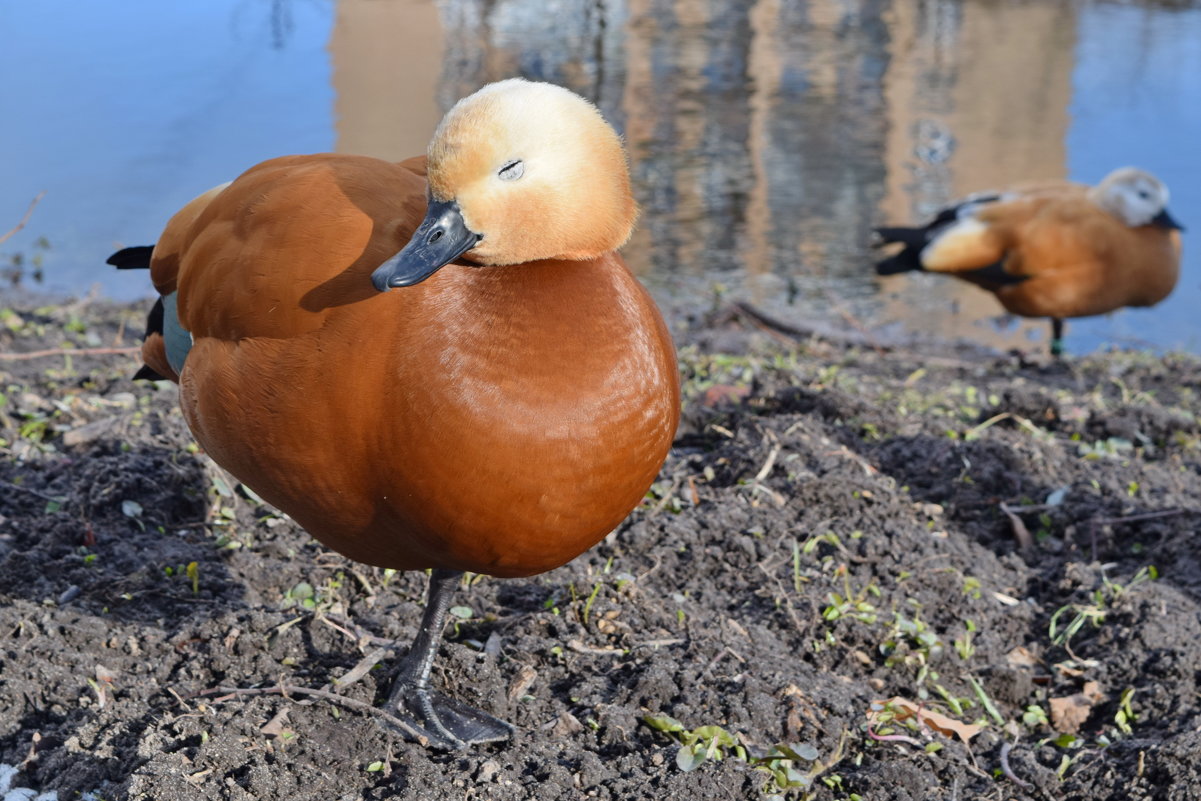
(500, 417)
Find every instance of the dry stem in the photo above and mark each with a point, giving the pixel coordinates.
(28, 213)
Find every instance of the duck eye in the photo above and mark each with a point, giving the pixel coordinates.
(1144, 194)
(512, 170)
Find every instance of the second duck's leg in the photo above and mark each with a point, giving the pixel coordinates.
(1056, 337)
(445, 722)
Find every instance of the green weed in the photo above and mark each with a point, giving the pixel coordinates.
(789, 766)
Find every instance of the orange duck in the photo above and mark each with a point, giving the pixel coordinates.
(1053, 250)
(500, 412)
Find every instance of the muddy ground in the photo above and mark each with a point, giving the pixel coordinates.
(828, 534)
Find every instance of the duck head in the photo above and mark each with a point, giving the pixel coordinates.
(1136, 197)
(519, 171)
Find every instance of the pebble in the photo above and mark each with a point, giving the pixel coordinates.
(487, 770)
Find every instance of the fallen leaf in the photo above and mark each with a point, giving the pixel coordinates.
(275, 726)
(903, 709)
(725, 393)
(1069, 712)
(1022, 657)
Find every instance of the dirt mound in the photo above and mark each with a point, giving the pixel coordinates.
(997, 561)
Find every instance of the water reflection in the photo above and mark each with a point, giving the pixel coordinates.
(387, 60)
(766, 136)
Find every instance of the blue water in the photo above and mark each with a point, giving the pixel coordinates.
(123, 111)
(758, 141)
(1137, 100)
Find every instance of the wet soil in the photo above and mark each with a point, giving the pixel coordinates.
(829, 533)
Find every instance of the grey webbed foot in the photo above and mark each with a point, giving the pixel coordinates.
(445, 722)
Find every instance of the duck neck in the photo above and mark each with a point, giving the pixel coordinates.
(537, 295)
(542, 318)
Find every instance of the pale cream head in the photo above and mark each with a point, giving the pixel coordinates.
(536, 171)
(1134, 196)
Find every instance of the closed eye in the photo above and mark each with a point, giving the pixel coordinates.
(512, 170)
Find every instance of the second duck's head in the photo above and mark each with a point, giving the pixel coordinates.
(518, 171)
(1136, 197)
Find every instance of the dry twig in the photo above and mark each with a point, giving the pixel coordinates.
(1020, 532)
(41, 354)
(286, 689)
(1006, 747)
(28, 213)
(1109, 521)
(42, 495)
(795, 332)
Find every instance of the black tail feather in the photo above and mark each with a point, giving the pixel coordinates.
(146, 373)
(138, 258)
(135, 258)
(909, 257)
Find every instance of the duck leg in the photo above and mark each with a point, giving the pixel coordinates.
(445, 722)
(1057, 337)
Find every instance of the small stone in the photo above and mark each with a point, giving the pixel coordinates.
(566, 725)
(525, 678)
(488, 770)
(89, 432)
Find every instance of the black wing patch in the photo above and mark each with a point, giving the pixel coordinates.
(993, 274)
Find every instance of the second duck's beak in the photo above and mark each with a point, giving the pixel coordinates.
(1165, 220)
(440, 239)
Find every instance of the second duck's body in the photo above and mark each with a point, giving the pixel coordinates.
(1053, 250)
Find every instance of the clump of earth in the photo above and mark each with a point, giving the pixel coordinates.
(864, 572)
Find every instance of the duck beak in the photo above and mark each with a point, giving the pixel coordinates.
(1165, 220)
(440, 239)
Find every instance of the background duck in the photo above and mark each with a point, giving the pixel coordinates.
(498, 415)
(1053, 250)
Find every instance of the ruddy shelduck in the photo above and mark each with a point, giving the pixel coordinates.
(1053, 250)
(500, 413)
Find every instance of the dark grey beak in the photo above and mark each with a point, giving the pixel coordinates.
(1165, 220)
(440, 239)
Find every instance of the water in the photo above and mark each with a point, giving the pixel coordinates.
(766, 137)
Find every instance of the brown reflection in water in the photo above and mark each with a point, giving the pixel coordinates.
(387, 62)
(977, 97)
(819, 143)
(687, 106)
(754, 128)
(756, 138)
(766, 136)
